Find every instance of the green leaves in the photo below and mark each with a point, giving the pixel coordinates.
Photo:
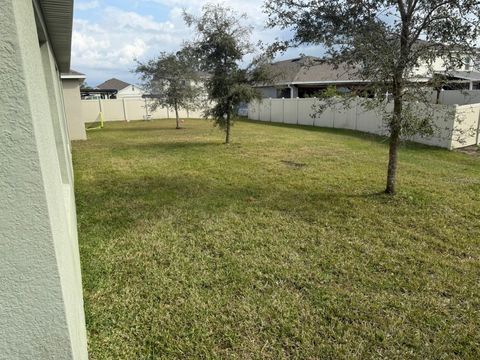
(220, 44)
(172, 80)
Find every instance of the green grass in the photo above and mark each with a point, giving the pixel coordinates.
(193, 249)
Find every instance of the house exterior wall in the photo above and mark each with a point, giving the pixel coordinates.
(73, 109)
(268, 92)
(131, 91)
(425, 70)
(41, 303)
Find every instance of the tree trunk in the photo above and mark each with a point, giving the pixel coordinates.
(227, 130)
(398, 87)
(176, 116)
(395, 130)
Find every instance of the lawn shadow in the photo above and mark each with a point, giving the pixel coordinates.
(119, 203)
(380, 139)
(167, 146)
(147, 128)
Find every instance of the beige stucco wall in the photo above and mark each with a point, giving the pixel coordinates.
(73, 109)
(41, 305)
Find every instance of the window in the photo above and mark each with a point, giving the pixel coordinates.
(283, 93)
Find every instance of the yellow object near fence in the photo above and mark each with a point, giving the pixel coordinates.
(100, 126)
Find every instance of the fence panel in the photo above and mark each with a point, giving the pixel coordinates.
(159, 113)
(459, 97)
(264, 110)
(90, 110)
(305, 111)
(129, 109)
(345, 117)
(253, 110)
(291, 111)
(467, 126)
(113, 110)
(369, 120)
(456, 126)
(326, 118)
(135, 109)
(277, 110)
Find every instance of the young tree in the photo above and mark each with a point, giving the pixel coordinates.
(385, 41)
(172, 81)
(221, 43)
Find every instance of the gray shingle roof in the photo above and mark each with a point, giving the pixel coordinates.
(113, 84)
(466, 75)
(310, 69)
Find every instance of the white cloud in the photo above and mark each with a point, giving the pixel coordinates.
(108, 48)
(86, 5)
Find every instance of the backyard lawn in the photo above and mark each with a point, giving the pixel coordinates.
(278, 246)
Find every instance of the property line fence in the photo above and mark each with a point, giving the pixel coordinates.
(455, 126)
(457, 97)
(129, 110)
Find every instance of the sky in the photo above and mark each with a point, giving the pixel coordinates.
(108, 35)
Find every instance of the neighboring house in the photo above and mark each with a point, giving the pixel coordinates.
(305, 76)
(465, 80)
(71, 82)
(465, 77)
(41, 302)
(123, 90)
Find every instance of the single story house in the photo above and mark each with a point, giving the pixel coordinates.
(460, 80)
(123, 89)
(41, 300)
(305, 76)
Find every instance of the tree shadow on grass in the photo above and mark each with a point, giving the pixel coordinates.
(145, 128)
(380, 139)
(167, 146)
(120, 203)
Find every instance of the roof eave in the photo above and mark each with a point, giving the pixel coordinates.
(73, 77)
(58, 17)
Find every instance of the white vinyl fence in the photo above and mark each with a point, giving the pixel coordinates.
(456, 126)
(457, 97)
(129, 110)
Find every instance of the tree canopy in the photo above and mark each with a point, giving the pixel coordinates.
(386, 42)
(172, 80)
(220, 45)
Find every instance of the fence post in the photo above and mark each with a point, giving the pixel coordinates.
(334, 112)
(100, 105)
(314, 113)
(283, 110)
(124, 110)
(298, 99)
(270, 109)
(357, 99)
(478, 127)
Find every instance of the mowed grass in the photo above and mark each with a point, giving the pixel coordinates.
(279, 246)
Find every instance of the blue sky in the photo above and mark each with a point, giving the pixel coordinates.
(109, 34)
